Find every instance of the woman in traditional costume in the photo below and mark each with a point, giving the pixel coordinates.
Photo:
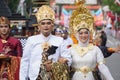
(85, 55)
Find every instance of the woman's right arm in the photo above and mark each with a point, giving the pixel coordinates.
(102, 67)
(105, 71)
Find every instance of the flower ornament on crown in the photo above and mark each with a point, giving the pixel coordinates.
(81, 25)
(45, 12)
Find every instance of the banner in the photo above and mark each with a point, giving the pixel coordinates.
(72, 1)
(98, 17)
(65, 15)
(91, 1)
(64, 1)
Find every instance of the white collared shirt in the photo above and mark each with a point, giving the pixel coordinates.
(31, 60)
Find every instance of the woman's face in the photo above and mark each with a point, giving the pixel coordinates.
(83, 35)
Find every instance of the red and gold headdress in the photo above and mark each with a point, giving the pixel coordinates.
(4, 20)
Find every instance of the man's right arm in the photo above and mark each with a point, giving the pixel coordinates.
(24, 65)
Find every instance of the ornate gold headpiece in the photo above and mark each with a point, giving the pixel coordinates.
(4, 20)
(45, 12)
(81, 18)
(78, 2)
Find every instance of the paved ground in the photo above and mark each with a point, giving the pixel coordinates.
(113, 62)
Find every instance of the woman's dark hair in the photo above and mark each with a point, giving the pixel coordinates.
(103, 38)
(83, 28)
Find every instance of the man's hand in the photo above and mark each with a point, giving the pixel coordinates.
(117, 49)
(48, 65)
(62, 60)
(7, 49)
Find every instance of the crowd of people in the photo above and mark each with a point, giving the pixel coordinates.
(53, 54)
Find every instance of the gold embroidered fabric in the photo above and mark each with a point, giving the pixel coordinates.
(10, 68)
(60, 71)
(82, 50)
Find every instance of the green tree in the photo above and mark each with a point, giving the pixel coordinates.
(13, 4)
(111, 3)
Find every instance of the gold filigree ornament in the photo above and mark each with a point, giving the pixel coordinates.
(45, 45)
(45, 12)
(84, 69)
(82, 50)
(81, 16)
(78, 2)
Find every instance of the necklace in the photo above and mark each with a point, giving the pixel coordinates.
(82, 50)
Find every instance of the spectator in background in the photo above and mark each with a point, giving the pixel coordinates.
(10, 52)
(8, 45)
(66, 36)
(100, 40)
(58, 32)
(108, 29)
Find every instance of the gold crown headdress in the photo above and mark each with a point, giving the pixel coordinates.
(4, 20)
(45, 12)
(81, 18)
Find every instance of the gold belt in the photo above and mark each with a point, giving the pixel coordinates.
(84, 69)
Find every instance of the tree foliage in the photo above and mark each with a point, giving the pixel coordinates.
(112, 5)
(13, 4)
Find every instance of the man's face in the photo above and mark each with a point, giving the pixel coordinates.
(58, 34)
(65, 35)
(4, 29)
(45, 27)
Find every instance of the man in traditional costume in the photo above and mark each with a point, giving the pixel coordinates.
(10, 52)
(45, 56)
(8, 45)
